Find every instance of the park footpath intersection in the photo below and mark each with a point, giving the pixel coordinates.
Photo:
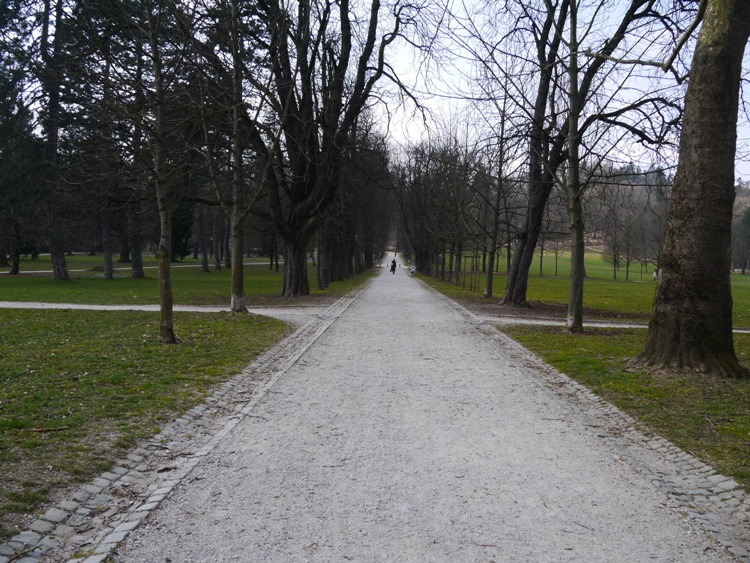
(395, 425)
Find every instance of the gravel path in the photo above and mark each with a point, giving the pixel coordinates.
(395, 425)
(406, 431)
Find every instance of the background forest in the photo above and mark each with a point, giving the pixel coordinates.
(330, 131)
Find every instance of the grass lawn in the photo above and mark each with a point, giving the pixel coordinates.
(79, 388)
(604, 297)
(190, 286)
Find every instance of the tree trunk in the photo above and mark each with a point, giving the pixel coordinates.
(574, 321)
(490, 270)
(109, 272)
(134, 235)
(217, 238)
(51, 82)
(164, 251)
(15, 254)
(237, 303)
(457, 263)
(227, 242)
(203, 243)
(295, 269)
(691, 321)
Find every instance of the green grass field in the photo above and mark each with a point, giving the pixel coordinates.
(604, 297)
(190, 286)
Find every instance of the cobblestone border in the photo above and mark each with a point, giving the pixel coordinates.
(713, 501)
(89, 525)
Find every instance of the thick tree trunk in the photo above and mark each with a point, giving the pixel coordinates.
(518, 271)
(296, 282)
(691, 321)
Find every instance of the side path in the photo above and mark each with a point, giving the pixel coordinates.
(397, 426)
(405, 434)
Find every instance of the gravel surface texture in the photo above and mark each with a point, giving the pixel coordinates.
(407, 430)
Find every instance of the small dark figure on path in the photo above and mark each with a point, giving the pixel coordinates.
(393, 266)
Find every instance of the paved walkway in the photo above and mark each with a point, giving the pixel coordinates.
(396, 426)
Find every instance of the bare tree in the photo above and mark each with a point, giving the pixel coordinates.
(325, 60)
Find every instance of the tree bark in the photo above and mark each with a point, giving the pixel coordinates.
(691, 321)
(237, 304)
(296, 281)
(109, 271)
(574, 322)
(203, 243)
(15, 253)
(52, 75)
(164, 251)
(134, 240)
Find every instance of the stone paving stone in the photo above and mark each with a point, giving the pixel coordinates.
(49, 542)
(55, 515)
(116, 537)
(140, 514)
(78, 520)
(41, 526)
(99, 501)
(68, 505)
(728, 485)
(147, 507)
(128, 526)
(81, 496)
(65, 532)
(92, 489)
(27, 538)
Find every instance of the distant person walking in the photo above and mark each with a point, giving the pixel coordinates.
(393, 266)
